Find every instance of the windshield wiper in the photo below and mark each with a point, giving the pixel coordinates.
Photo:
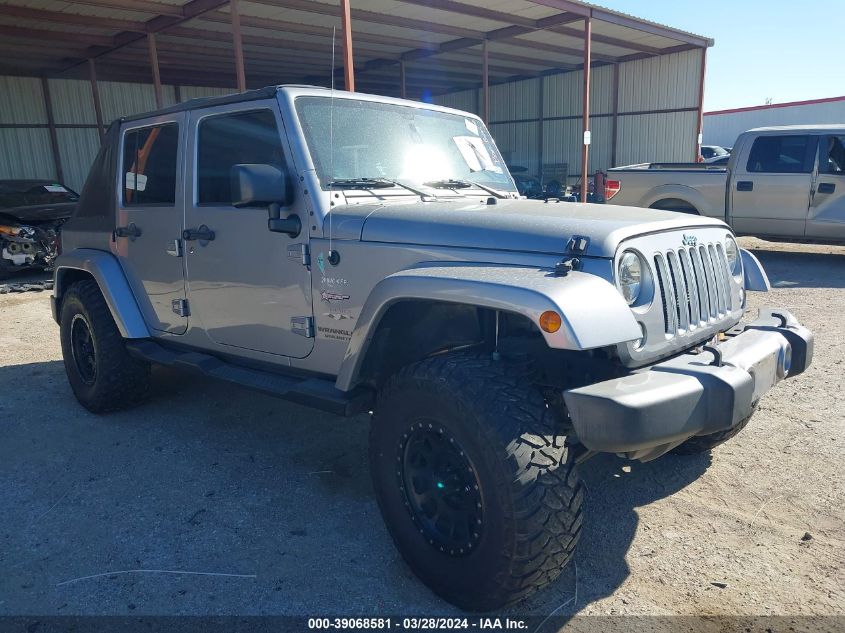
(362, 183)
(377, 183)
(454, 183)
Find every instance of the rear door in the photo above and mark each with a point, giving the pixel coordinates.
(826, 219)
(770, 190)
(149, 219)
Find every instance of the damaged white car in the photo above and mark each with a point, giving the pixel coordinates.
(31, 215)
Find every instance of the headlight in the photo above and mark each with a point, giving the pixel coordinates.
(732, 255)
(631, 276)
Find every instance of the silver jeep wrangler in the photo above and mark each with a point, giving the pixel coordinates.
(358, 254)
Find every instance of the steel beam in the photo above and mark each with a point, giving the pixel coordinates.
(614, 125)
(237, 44)
(585, 112)
(402, 88)
(95, 94)
(151, 43)
(346, 27)
(701, 104)
(485, 82)
(51, 122)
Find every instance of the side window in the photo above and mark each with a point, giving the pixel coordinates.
(149, 165)
(781, 155)
(832, 155)
(234, 139)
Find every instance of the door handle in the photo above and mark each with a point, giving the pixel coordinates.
(203, 234)
(745, 185)
(130, 231)
(826, 187)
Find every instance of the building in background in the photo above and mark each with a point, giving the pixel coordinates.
(721, 127)
(69, 68)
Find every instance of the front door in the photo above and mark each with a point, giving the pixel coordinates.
(149, 220)
(247, 287)
(770, 192)
(826, 220)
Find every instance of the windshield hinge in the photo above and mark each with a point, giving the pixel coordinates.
(300, 252)
(303, 325)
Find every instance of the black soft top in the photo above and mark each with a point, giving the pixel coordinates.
(95, 211)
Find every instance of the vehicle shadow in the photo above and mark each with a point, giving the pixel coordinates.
(787, 269)
(209, 477)
(615, 489)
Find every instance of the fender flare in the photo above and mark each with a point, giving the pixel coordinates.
(106, 271)
(681, 192)
(593, 312)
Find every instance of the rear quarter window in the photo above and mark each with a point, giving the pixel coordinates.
(149, 165)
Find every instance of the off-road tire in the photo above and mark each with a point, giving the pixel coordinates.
(528, 482)
(119, 381)
(703, 443)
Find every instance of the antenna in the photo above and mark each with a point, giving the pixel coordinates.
(331, 141)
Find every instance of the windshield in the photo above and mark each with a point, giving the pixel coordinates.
(24, 194)
(410, 145)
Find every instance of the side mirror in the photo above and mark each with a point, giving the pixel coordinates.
(255, 185)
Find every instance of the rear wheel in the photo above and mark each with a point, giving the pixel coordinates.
(102, 375)
(477, 488)
(673, 204)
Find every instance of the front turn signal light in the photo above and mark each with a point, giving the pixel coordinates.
(550, 321)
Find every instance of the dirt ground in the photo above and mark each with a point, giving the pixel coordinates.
(270, 504)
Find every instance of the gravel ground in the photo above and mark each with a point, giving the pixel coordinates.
(273, 501)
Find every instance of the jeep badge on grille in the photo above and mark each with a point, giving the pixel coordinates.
(690, 240)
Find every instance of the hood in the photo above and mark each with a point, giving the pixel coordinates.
(513, 225)
(38, 213)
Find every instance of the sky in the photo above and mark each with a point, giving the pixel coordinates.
(783, 50)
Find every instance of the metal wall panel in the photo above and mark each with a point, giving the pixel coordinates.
(73, 101)
(120, 98)
(519, 144)
(21, 100)
(660, 83)
(563, 94)
(468, 100)
(515, 100)
(668, 137)
(26, 153)
(198, 92)
(77, 147)
(722, 129)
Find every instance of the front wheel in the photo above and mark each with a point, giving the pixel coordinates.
(477, 488)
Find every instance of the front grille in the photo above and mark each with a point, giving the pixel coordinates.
(694, 287)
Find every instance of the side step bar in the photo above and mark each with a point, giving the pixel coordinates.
(313, 392)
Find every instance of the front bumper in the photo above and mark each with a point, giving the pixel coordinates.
(650, 411)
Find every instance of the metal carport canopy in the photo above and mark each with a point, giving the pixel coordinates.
(413, 48)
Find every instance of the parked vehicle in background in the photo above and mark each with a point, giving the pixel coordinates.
(780, 182)
(713, 151)
(31, 215)
(718, 160)
(528, 186)
(391, 267)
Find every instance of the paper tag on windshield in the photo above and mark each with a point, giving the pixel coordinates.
(475, 154)
(471, 126)
(55, 189)
(136, 182)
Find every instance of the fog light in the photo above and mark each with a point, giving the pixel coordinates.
(550, 321)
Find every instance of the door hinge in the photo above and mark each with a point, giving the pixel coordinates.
(300, 252)
(304, 326)
(180, 307)
(174, 248)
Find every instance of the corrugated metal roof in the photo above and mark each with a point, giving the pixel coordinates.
(39, 37)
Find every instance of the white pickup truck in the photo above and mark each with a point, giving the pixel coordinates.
(780, 182)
